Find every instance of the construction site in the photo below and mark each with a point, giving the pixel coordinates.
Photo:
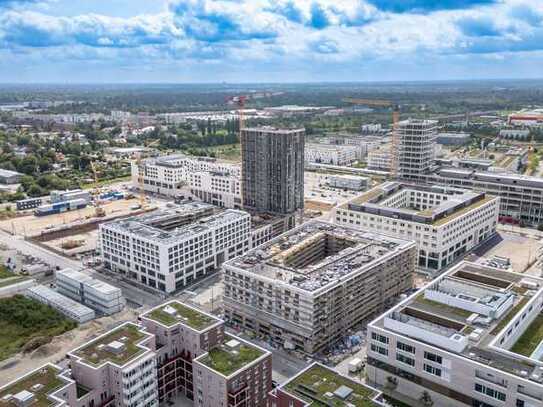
(350, 273)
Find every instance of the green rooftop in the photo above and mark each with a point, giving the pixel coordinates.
(227, 361)
(460, 212)
(186, 315)
(100, 351)
(46, 377)
(317, 386)
(531, 338)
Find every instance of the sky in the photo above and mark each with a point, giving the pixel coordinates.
(249, 41)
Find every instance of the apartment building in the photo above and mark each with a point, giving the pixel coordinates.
(175, 351)
(306, 288)
(320, 385)
(331, 154)
(102, 297)
(168, 249)
(198, 359)
(273, 169)
(380, 159)
(471, 337)
(167, 175)
(415, 151)
(446, 223)
(221, 189)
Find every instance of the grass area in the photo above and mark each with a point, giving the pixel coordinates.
(531, 338)
(106, 182)
(95, 354)
(227, 362)
(463, 211)
(314, 383)
(26, 324)
(189, 316)
(394, 402)
(510, 315)
(5, 273)
(12, 280)
(229, 152)
(46, 376)
(446, 308)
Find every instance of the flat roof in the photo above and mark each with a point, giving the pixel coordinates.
(99, 351)
(60, 300)
(83, 278)
(8, 173)
(175, 312)
(471, 307)
(41, 383)
(351, 251)
(232, 356)
(319, 385)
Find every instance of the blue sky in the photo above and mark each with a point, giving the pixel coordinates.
(76, 41)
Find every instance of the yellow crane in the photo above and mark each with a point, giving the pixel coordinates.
(141, 183)
(395, 120)
(98, 211)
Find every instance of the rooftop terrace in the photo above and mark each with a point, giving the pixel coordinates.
(119, 346)
(175, 312)
(321, 386)
(231, 356)
(40, 383)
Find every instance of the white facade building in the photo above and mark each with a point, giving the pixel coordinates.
(445, 222)
(331, 154)
(166, 250)
(468, 338)
(351, 182)
(380, 159)
(67, 306)
(101, 297)
(218, 188)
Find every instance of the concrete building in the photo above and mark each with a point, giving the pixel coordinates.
(168, 175)
(176, 351)
(515, 134)
(320, 385)
(273, 169)
(168, 249)
(380, 159)
(446, 223)
(471, 337)
(453, 139)
(526, 118)
(480, 164)
(331, 154)
(10, 177)
(217, 188)
(350, 182)
(306, 288)
(416, 140)
(70, 195)
(101, 297)
(67, 306)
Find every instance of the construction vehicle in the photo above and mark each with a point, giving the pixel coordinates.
(99, 212)
(395, 120)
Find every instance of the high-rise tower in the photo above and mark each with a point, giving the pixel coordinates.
(416, 142)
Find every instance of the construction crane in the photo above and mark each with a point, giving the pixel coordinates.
(141, 183)
(99, 212)
(395, 120)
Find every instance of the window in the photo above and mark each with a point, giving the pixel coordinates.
(380, 338)
(379, 349)
(405, 359)
(433, 357)
(432, 370)
(490, 392)
(406, 348)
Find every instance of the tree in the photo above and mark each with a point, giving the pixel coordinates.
(35, 190)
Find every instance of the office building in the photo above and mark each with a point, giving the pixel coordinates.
(471, 337)
(415, 148)
(306, 288)
(380, 159)
(65, 305)
(273, 169)
(445, 222)
(350, 182)
(168, 249)
(221, 189)
(102, 297)
(331, 154)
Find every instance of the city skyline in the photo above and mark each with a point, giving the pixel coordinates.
(201, 41)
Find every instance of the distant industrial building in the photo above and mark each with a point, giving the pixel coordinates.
(308, 287)
(527, 118)
(10, 177)
(168, 249)
(29, 203)
(70, 195)
(273, 169)
(515, 134)
(101, 297)
(65, 305)
(453, 139)
(446, 223)
(471, 337)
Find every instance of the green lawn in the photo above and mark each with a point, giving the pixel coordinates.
(510, 315)
(47, 377)
(531, 338)
(5, 273)
(226, 362)
(189, 316)
(24, 320)
(446, 308)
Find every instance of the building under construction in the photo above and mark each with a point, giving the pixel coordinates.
(308, 287)
(273, 169)
(415, 147)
